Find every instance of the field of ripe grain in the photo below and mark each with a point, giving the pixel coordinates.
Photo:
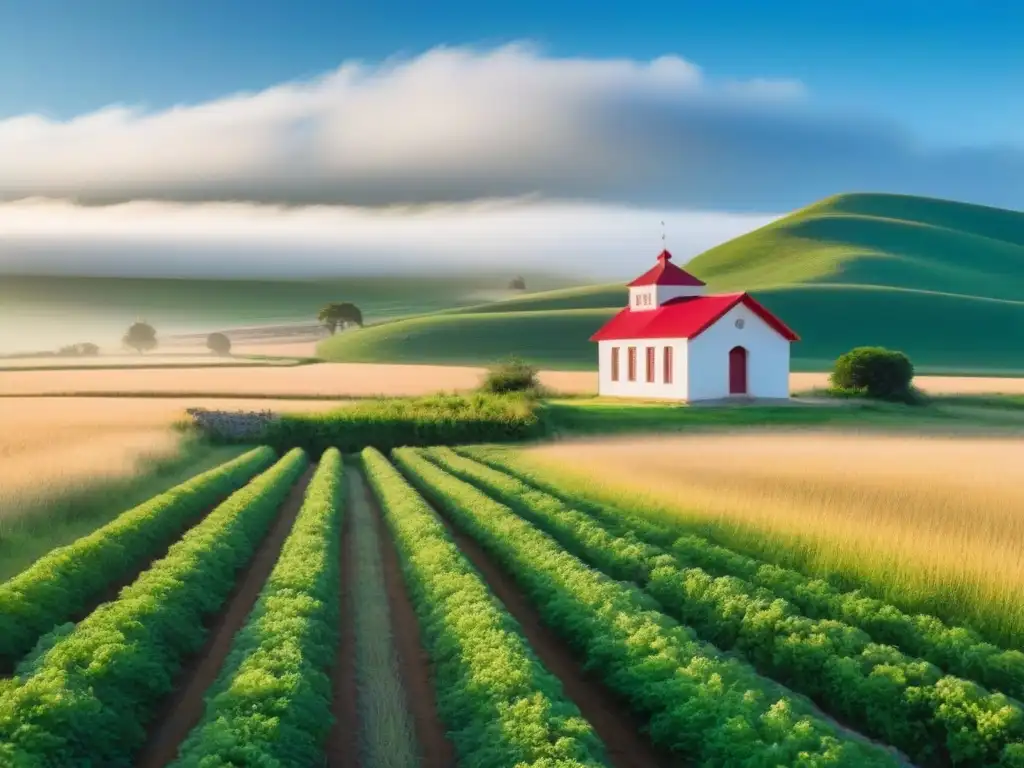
(363, 380)
(930, 522)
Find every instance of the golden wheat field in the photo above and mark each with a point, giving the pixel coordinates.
(50, 445)
(363, 380)
(918, 517)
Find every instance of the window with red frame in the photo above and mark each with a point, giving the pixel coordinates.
(631, 364)
(615, 363)
(667, 372)
(650, 365)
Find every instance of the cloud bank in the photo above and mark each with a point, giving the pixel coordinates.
(455, 125)
(588, 241)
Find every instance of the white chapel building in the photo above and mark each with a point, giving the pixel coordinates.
(675, 342)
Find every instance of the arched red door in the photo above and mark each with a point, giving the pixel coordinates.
(738, 371)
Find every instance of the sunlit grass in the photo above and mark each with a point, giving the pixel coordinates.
(387, 738)
(931, 523)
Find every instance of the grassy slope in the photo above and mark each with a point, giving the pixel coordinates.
(943, 281)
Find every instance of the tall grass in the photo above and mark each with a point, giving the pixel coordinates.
(387, 738)
(63, 507)
(930, 524)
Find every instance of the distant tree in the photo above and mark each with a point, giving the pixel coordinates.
(876, 372)
(85, 349)
(517, 284)
(343, 314)
(219, 344)
(141, 337)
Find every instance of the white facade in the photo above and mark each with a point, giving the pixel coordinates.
(701, 367)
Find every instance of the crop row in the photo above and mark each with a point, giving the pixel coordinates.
(58, 584)
(501, 705)
(271, 703)
(85, 695)
(699, 703)
(906, 702)
(958, 650)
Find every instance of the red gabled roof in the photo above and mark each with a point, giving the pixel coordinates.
(684, 318)
(666, 273)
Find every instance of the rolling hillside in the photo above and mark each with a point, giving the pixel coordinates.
(39, 312)
(943, 281)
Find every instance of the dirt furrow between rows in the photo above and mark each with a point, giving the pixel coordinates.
(342, 750)
(184, 708)
(621, 731)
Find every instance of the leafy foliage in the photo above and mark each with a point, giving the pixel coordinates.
(86, 699)
(502, 707)
(511, 376)
(271, 703)
(141, 337)
(60, 583)
(958, 650)
(711, 708)
(876, 371)
(84, 349)
(385, 424)
(344, 313)
(906, 702)
(218, 343)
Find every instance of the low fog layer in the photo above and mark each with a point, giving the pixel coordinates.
(596, 242)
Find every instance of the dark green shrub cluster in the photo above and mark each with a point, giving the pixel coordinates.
(906, 702)
(86, 699)
(958, 650)
(501, 706)
(62, 582)
(513, 375)
(710, 708)
(288, 644)
(875, 372)
(387, 424)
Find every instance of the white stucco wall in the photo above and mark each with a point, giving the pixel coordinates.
(767, 357)
(677, 390)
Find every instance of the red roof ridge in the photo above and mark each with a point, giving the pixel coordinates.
(666, 273)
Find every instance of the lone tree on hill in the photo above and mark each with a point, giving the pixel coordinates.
(343, 314)
(218, 343)
(517, 284)
(141, 337)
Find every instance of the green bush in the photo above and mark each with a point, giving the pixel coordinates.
(387, 424)
(513, 375)
(876, 372)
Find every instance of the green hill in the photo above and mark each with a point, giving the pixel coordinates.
(943, 281)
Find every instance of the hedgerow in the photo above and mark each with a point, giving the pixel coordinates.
(907, 702)
(61, 582)
(713, 709)
(958, 650)
(501, 706)
(386, 424)
(86, 696)
(271, 703)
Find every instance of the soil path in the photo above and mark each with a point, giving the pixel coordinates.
(342, 749)
(436, 751)
(184, 708)
(627, 746)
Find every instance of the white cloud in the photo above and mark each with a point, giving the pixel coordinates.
(588, 240)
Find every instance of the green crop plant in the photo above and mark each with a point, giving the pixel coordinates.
(87, 692)
(271, 703)
(501, 706)
(710, 708)
(56, 586)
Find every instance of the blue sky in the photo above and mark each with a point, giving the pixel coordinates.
(951, 70)
(201, 128)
